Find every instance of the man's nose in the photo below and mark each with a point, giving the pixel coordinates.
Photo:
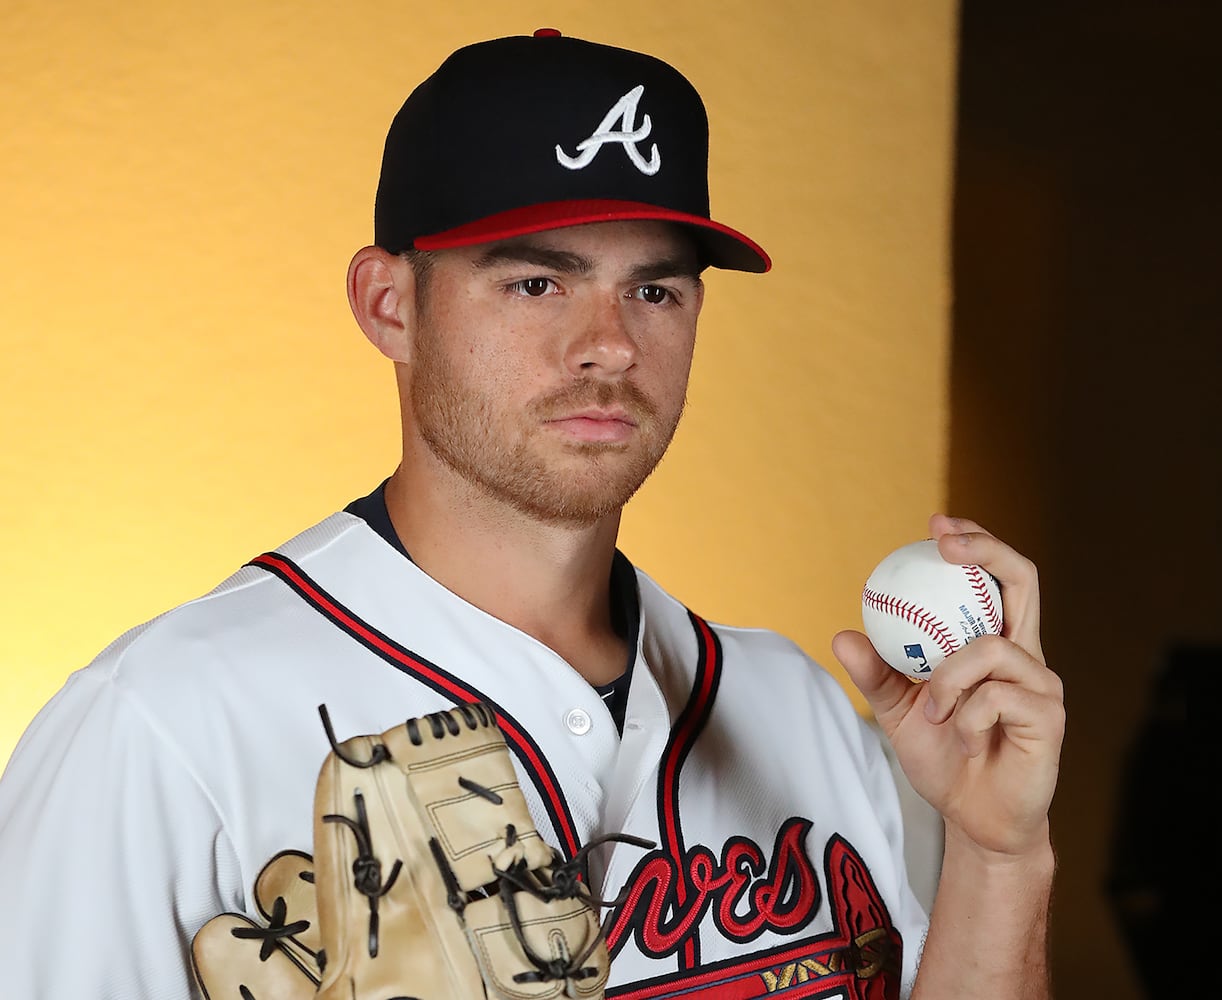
(602, 344)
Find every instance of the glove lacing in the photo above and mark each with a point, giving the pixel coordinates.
(567, 878)
(276, 929)
(366, 868)
(512, 875)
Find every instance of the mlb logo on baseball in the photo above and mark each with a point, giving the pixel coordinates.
(914, 652)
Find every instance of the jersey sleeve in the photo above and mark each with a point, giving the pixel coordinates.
(914, 831)
(911, 831)
(112, 854)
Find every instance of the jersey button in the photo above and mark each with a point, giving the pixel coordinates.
(578, 721)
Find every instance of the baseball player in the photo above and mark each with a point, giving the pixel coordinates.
(535, 279)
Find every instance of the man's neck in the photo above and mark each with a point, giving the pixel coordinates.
(547, 580)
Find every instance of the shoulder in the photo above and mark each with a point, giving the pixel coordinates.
(250, 605)
(761, 673)
(243, 653)
(764, 651)
(231, 677)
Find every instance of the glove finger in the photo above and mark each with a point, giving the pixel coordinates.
(237, 966)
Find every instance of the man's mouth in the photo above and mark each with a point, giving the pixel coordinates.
(595, 424)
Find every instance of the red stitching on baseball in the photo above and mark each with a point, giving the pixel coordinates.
(914, 615)
(976, 578)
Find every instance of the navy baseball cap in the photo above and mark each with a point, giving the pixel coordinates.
(534, 132)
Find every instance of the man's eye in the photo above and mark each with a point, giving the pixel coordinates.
(533, 287)
(653, 294)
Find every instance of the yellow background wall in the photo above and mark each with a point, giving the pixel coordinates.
(182, 387)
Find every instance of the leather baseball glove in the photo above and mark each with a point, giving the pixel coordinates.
(429, 882)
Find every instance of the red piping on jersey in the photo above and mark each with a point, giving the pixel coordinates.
(436, 678)
(682, 737)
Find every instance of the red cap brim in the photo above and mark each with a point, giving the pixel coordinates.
(724, 247)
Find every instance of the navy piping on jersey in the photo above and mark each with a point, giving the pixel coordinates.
(625, 604)
(683, 735)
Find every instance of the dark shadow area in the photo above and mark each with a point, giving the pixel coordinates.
(1165, 858)
(1086, 423)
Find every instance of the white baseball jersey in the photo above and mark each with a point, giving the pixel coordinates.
(145, 798)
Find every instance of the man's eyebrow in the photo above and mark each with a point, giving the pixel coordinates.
(666, 267)
(521, 252)
(566, 262)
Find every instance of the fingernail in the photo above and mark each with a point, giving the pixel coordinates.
(931, 710)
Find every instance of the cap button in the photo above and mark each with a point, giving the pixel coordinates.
(547, 33)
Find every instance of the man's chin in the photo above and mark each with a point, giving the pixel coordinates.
(577, 500)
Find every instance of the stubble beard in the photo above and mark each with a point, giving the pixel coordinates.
(507, 457)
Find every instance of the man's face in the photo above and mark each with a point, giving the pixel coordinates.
(549, 371)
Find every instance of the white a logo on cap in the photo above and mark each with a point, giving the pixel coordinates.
(627, 136)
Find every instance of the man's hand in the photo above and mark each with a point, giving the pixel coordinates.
(981, 739)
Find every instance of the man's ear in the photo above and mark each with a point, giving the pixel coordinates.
(382, 294)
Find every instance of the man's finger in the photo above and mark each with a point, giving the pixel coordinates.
(964, 541)
(989, 658)
(885, 689)
(1026, 718)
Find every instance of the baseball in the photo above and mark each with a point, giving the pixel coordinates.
(918, 609)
